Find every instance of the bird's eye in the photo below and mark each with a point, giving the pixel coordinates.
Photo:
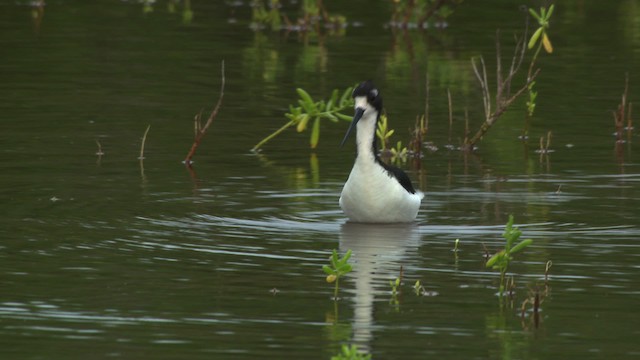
(373, 93)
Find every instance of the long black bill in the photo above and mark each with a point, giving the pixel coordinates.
(356, 117)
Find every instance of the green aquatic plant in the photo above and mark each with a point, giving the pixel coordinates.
(418, 289)
(351, 353)
(383, 132)
(541, 37)
(500, 261)
(314, 111)
(339, 267)
(541, 32)
(395, 292)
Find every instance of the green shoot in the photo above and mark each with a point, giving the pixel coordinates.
(501, 260)
(314, 111)
(394, 286)
(399, 152)
(383, 132)
(541, 32)
(351, 353)
(540, 37)
(418, 289)
(339, 267)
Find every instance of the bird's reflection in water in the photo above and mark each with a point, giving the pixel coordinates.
(378, 252)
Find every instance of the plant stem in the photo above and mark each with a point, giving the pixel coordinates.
(274, 134)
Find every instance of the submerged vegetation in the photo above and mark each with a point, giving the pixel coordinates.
(500, 261)
(339, 267)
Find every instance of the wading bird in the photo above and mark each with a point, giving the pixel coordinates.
(375, 192)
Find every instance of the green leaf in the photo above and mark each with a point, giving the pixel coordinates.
(546, 43)
(344, 269)
(315, 133)
(345, 97)
(334, 259)
(302, 124)
(550, 11)
(329, 105)
(304, 95)
(543, 12)
(390, 133)
(330, 116)
(327, 270)
(334, 96)
(534, 38)
(343, 116)
(347, 256)
(523, 244)
(493, 259)
(534, 14)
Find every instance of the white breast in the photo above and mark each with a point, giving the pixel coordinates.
(372, 195)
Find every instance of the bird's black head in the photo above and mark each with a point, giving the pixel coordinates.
(369, 90)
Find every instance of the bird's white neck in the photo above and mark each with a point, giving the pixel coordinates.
(365, 135)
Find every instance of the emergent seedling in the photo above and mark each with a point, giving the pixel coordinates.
(339, 267)
(500, 260)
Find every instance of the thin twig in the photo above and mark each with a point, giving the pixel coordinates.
(499, 111)
(202, 131)
(450, 114)
(482, 78)
(144, 140)
(499, 84)
(426, 102)
(99, 152)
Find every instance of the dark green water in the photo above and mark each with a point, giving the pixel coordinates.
(107, 257)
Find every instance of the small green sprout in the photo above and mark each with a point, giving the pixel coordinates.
(394, 286)
(351, 353)
(339, 267)
(500, 260)
(418, 288)
(383, 132)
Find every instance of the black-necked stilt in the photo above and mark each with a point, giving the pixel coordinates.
(375, 192)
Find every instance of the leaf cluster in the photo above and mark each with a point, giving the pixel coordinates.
(339, 266)
(541, 32)
(351, 353)
(309, 110)
(500, 260)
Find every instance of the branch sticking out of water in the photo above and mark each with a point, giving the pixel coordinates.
(202, 130)
(503, 97)
(623, 113)
(144, 140)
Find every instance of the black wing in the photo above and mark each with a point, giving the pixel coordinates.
(400, 175)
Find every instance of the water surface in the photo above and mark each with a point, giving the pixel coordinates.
(107, 256)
